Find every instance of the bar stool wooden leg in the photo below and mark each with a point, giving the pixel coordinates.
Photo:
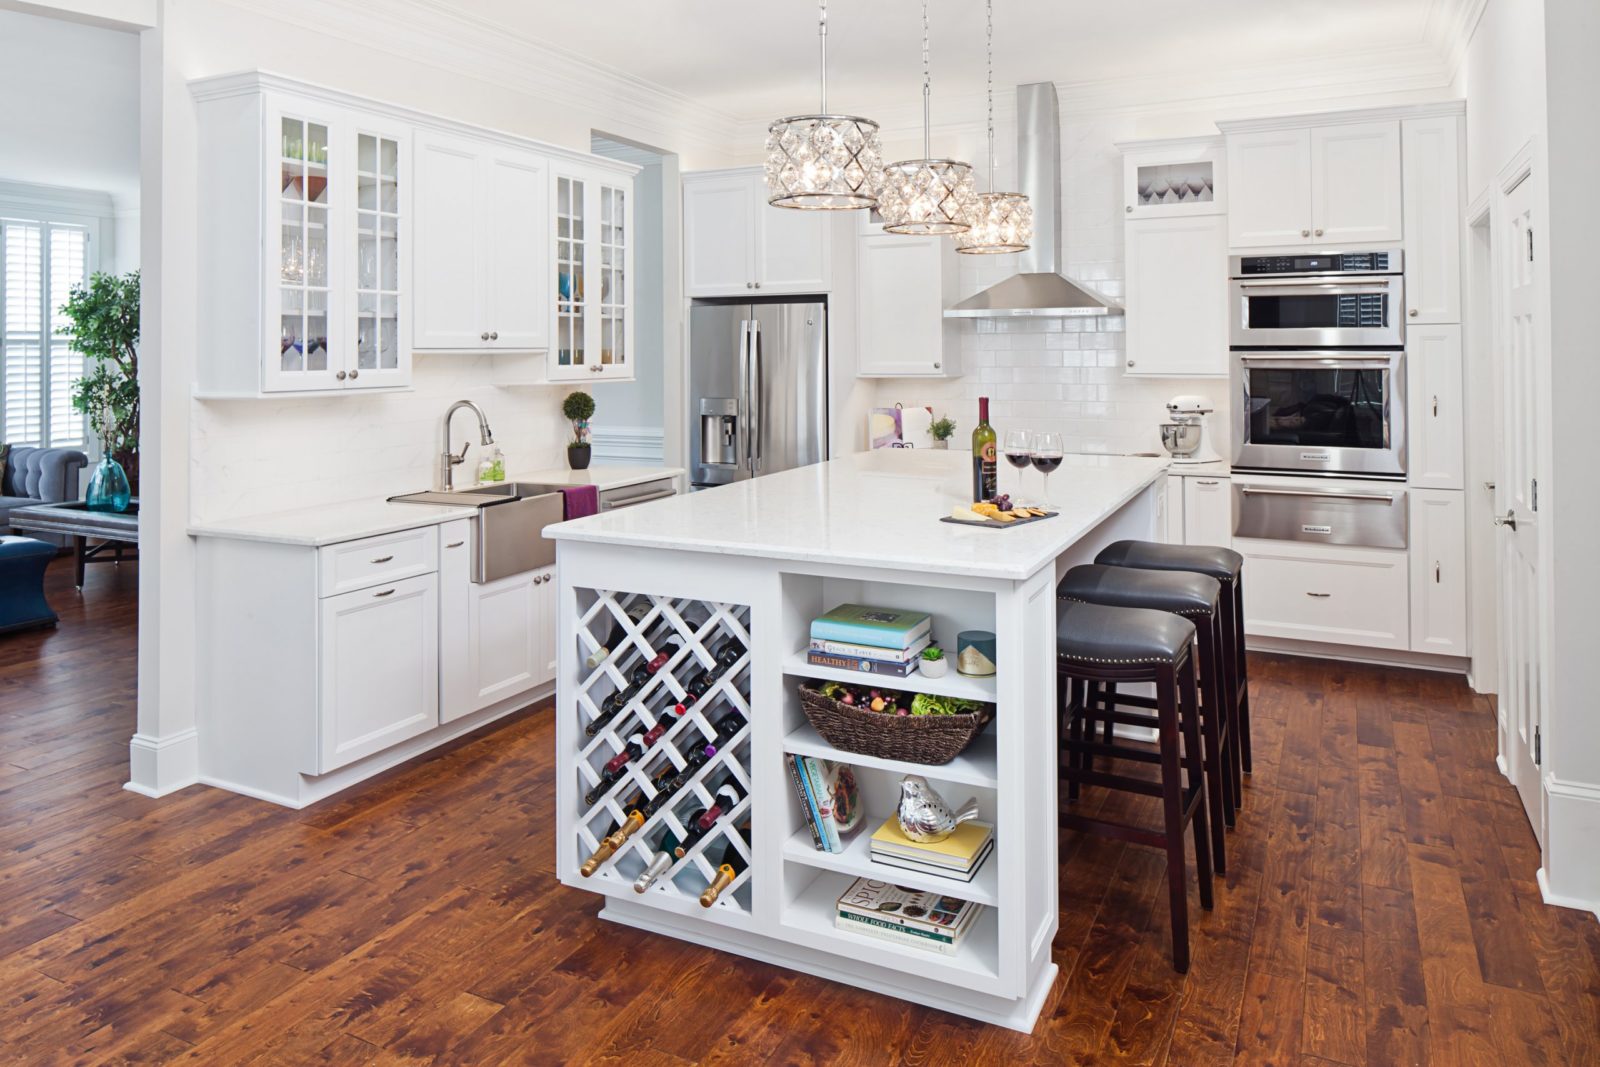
(1218, 779)
(1189, 696)
(1241, 676)
(1172, 818)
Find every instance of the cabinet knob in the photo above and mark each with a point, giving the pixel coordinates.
(484, 336)
(1305, 233)
(494, 335)
(1412, 313)
(340, 376)
(1129, 209)
(354, 375)
(1130, 363)
(1319, 233)
(936, 366)
(749, 285)
(758, 285)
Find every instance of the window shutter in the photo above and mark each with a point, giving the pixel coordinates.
(69, 253)
(23, 352)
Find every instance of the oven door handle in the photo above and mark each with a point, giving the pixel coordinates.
(1384, 498)
(1364, 285)
(1288, 359)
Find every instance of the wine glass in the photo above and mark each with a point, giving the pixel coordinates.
(1047, 453)
(1018, 450)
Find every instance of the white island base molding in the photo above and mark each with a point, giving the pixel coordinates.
(757, 610)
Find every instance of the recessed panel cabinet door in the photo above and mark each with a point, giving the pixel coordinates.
(378, 664)
(1435, 426)
(1207, 511)
(1269, 203)
(1177, 319)
(793, 247)
(1438, 572)
(518, 226)
(900, 323)
(449, 250)
(1355, 183)
(718, 224)
(504, 629)
(1433, 219)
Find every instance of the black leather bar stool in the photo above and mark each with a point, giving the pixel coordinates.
(1096, 644)
(1195, 597)
(1227, 567)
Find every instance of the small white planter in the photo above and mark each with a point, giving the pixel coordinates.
(934, 668)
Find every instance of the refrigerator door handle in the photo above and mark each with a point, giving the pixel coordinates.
(755, 385)
(742, 445)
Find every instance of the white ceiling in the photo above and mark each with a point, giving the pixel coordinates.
(756, 59)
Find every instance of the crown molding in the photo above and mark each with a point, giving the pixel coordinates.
(1451, 24)
(56, 198)
(1345, 118)
(436, 34)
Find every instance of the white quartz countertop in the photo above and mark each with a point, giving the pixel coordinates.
(877, 509)
(354, 519)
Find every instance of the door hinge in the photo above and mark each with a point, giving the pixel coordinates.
(1538, 749)
(1533, 493)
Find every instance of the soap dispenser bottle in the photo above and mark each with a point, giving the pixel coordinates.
(492, 467)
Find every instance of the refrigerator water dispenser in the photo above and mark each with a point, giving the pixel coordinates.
(719, 431)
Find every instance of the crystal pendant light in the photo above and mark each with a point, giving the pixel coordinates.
(1000, 222)
(823, 162)
(926, 196)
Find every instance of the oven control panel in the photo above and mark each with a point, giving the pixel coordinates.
(1378, 261)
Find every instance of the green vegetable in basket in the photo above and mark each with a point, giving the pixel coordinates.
(933, 704)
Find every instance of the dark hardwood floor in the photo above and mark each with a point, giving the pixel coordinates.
(1380, 908)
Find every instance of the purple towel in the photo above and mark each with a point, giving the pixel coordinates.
(581, 500)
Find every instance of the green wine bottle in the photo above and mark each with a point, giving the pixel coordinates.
(985, 462)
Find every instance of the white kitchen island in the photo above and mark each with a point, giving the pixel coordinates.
(757, 561)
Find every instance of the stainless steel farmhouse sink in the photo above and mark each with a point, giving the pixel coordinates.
(508, 531)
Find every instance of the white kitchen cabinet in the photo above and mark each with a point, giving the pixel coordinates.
(1435, 408)
(1325, 593)
(1332, 186)
(1432, 184)
(1207, 511)
(593, 285)
(1438, 572)
(736, 244)
(904, 285)
(1170, 521)
(1173, 177)
(378, 655)
(305, 220)
(1177, 299)
(1269, 180)
(481, 268)
(497, 638)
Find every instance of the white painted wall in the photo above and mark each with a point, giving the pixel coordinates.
(71, 117)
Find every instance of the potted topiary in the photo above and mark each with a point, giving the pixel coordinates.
(577, 409)
(942, 429)
(933, 663)
(103, 322)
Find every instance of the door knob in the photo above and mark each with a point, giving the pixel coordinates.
(1508, 519)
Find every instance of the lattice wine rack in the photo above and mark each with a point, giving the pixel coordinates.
(710, 692)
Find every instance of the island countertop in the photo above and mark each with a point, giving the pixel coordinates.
(879, 509)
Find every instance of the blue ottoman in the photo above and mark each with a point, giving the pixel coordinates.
(22, 602)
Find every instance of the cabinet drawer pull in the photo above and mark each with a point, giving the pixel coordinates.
(1436, 407)
(1319, 596)
(1436, 573)
(455, 544)
(382, 559)
(386, 592)
(1205, 481)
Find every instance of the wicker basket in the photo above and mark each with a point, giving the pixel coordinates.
(909, 738)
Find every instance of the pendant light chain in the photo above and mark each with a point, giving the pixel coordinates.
(927, 89)
(988, 56)
(997, 222)
(822, 33)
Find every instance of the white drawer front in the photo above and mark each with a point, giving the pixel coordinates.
(375, 560)
(1337, 596)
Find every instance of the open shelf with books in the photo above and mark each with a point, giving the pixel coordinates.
(856, 861)
(976, 766)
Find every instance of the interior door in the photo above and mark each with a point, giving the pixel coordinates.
(788, 386)
(1521, 640)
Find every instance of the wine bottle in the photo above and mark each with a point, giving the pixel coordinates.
(659, 863)
(692, 692)
(704, 819)
(619, 633)
(617, 702)
(728, 653)
(732, 865)
(611, 841)
(664, 794)
(985, 466)
(616, 767)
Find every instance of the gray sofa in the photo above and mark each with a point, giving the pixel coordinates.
(40, 476)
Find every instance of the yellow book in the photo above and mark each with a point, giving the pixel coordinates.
(959, 850)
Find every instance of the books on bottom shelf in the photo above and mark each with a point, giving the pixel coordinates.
(959, 856)
(829, 799)
(931, 922)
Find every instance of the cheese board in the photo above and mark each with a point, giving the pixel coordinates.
(995, 524)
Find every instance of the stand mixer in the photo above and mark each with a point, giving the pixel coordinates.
(1188, 436)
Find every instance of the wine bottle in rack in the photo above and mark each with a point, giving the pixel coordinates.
(705, 820)
(692, 692)
(616, 767)
(664, 795)
(659, 863)
(616, 835)
(619, 633)
(617, 702)
(731, 866)
(728, 653)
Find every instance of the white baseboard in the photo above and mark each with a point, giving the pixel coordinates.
(627, 444)
(1570, 874)
(1380, 657)
(158, 766)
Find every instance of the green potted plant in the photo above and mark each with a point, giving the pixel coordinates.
(578, 409)
(942, 428)
(933, 664)
(103, 322)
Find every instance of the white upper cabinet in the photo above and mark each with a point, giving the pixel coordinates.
(483, 221)
(735, 244)
(1433, 166)
(1333, 186)
(1162, 179)
(305, 242)
(1355, 183)
(1177, 297)
(1435, 416)
(1269, 177)
(904, 285)
(593, 284)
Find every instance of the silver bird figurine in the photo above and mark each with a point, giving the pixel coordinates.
(925, 815)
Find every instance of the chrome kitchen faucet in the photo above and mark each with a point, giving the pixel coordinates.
(448, 461)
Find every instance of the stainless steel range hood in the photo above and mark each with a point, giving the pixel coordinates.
(1040, 288)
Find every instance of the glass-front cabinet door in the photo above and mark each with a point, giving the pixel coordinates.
(338, 266)
(593, 277)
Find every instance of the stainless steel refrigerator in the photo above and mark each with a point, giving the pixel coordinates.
(758, 389)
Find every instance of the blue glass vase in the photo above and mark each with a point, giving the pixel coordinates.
(108, 487)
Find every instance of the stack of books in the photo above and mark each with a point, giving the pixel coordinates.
(829, 798)
(854, 637)
(927, 921)
(958, 856)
